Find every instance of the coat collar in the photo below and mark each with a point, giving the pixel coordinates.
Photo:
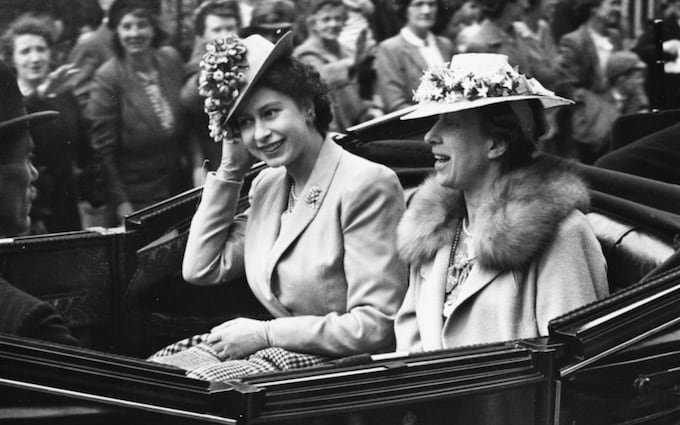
(516, 222)
(309, 202)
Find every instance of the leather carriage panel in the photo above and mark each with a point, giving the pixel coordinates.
(76, 272)
(631, 252)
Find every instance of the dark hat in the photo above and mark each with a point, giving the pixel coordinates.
(621, 62)
(315, 5)
(12, 109)
(120, 8)
(275, 17)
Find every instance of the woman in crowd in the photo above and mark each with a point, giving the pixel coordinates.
(318, 243)
(401, 60)
(137, 125)
(27, 46)
(337, 66)
(496, 239)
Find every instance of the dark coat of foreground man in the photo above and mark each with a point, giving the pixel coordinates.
(21, 314)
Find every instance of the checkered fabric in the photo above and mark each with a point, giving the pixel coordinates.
(201, 362)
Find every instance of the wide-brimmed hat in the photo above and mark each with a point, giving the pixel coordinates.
(473, 80)
(229, 71)
(12, 110)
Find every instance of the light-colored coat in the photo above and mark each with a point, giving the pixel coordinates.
(536, 258)
(331, 274)
(399, 66)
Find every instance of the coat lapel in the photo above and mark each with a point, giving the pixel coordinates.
(431, 298)
(412, 53)
(305, 210)
(477, 280)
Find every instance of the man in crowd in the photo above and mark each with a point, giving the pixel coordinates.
(213, 19)
(20, 313)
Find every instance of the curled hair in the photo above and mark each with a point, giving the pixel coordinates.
(22, 26)
(500, 123)
(302, 83)
(221, 8)
(158, 34)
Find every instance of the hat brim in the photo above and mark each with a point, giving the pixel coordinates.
(283, 47)
(424, 110)
(28, 118)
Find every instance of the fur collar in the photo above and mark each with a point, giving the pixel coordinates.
(518, 220)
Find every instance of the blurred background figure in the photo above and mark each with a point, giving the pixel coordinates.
(358, 17)
(91, 50)
(273, 18)
(337, 66)
(213, 19)
(667, 87)
(626, 77)
(463, 22)
(20, 313)
(401, 59)
(137, 125)
(59, 144)
(511, 27)
(583, 55)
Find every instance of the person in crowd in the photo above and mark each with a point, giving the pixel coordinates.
(582, 58)
(358, 15)
(498, 33)
(272, 19)
(59, 144)
(91, 50)
(667, 87)
(21, 314)
(337, 66)
(213, 19)
(463, 22)
(584, 52)
(496, 240)
(318, 242)
(625, 74)
(137, 125)
(400, 60)
(563, 18)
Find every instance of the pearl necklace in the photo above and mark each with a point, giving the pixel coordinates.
(292, 198)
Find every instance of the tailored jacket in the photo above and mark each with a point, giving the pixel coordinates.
(348, 107)
(22, 314)
(330, 272)
(536, 258)
(399, 66)
(139, 158)
(579, 64)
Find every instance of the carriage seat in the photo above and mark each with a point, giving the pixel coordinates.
(631, 252)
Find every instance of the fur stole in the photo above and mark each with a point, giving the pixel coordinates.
(518, 220)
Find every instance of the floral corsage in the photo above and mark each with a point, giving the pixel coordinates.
(220, 83)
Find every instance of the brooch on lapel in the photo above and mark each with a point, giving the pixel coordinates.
(312, 197)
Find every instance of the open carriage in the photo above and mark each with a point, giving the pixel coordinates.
(614, 361)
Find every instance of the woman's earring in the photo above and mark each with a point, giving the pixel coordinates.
(311, 116)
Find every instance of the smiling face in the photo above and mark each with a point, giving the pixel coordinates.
(421, 15)
(328, 21)
(219, 27)
(609, 12)
(275, 129)
(31, 57)
(17, 192)
(460, 149)
(135, 34)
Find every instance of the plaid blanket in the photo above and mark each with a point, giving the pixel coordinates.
(200, 361)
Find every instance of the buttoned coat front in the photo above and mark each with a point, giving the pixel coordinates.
(329, 273)
(536, 258)
(399, 66)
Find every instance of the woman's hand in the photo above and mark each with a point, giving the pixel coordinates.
(238, 338)
(236, 160)
(57, 80)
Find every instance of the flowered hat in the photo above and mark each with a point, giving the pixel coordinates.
(472, 80)
(230, 69)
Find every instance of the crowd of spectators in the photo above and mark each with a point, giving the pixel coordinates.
(132, 130)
